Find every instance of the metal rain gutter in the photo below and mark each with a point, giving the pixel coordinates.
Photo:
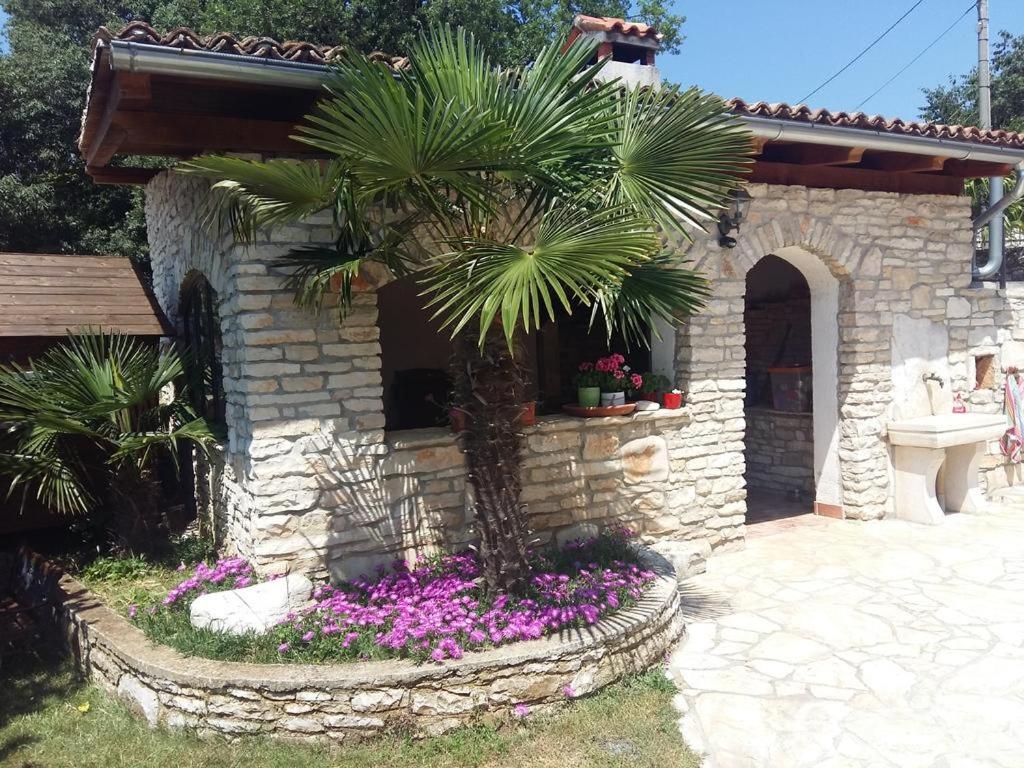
(995, 246)
(833, 135)
(128, 56)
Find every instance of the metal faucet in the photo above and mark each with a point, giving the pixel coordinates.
(934, 377)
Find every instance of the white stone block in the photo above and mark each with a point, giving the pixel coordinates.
(251, 609)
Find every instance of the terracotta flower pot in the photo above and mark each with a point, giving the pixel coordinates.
(672, 400)
(588, 397)
(528, 416)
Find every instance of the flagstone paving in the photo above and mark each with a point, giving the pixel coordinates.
(834, 643)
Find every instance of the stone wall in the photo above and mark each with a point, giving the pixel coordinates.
(578, 475)
(780, 452)
(893, 256)
(347, 702)
(311, 481)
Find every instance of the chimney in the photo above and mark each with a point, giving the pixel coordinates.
(630, 48)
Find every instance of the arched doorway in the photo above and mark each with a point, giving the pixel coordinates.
(791, 405)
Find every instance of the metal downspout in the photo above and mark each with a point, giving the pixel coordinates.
(995, 253)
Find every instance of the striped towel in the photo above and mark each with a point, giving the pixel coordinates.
(1012, 443)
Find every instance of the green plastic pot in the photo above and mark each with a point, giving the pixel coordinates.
(588, 397)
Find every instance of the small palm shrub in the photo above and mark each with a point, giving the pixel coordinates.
(82, 430)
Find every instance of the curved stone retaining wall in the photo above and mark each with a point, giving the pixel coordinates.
(352, 701)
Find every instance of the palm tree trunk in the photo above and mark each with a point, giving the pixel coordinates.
(135, 501)
(489, 388)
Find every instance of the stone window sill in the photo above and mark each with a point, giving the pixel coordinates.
(405, 439)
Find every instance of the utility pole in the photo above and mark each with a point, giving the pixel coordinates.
(995, 185)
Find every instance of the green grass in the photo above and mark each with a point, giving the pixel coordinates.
(51, 719)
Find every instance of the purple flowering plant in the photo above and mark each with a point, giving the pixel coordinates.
(435, 609)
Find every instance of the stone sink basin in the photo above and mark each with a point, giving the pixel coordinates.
(923, 445)
(946, 430)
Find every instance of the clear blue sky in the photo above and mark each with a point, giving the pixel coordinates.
(779, 50)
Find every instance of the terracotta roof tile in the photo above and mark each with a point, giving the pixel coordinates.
(610, 24)
(307, 53)
(804, 114)
(222, 42)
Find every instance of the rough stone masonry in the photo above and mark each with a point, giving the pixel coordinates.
(309, 480)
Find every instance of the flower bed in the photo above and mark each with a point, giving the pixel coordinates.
(436, 610)
(342, 702)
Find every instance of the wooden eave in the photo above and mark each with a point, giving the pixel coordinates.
(178, 117)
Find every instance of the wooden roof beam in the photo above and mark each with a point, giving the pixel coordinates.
(974, 169)
(905, 163)
(108, 175)
(183, 135)
(816, 154)
(829, 177)
(128, 91)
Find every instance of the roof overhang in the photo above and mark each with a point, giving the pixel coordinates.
(149, 99)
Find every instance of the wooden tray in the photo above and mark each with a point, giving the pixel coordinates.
(600, 410)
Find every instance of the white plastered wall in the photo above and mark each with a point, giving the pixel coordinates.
(825, 370)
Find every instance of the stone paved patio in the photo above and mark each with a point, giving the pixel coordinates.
(833, 643)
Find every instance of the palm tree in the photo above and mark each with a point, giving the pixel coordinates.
(516, 195)
(82, 429)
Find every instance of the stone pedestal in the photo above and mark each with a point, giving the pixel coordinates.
(922, 445)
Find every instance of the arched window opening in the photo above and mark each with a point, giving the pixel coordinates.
(204, 372)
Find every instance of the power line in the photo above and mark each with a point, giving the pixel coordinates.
(914, 60)
(857, 58)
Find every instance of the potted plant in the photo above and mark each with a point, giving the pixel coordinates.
(615, 379)
(588, 386)
(672, 400)
(649, 385)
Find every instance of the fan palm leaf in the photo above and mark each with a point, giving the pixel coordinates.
(576, 252)
(90, 402)
(677, 155)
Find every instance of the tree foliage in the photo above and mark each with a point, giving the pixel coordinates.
(956, 103)
(48, 204)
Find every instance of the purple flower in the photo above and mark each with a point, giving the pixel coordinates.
(569, 691)
(435, 608)
(181, 567)
(132, 611)
(520, 710)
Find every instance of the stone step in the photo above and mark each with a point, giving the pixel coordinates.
(689, 558)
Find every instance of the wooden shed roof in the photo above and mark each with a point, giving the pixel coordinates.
(49, 295)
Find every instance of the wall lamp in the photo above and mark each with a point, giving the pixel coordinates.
(731, 218)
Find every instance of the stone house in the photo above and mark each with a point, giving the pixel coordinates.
(854, 263)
